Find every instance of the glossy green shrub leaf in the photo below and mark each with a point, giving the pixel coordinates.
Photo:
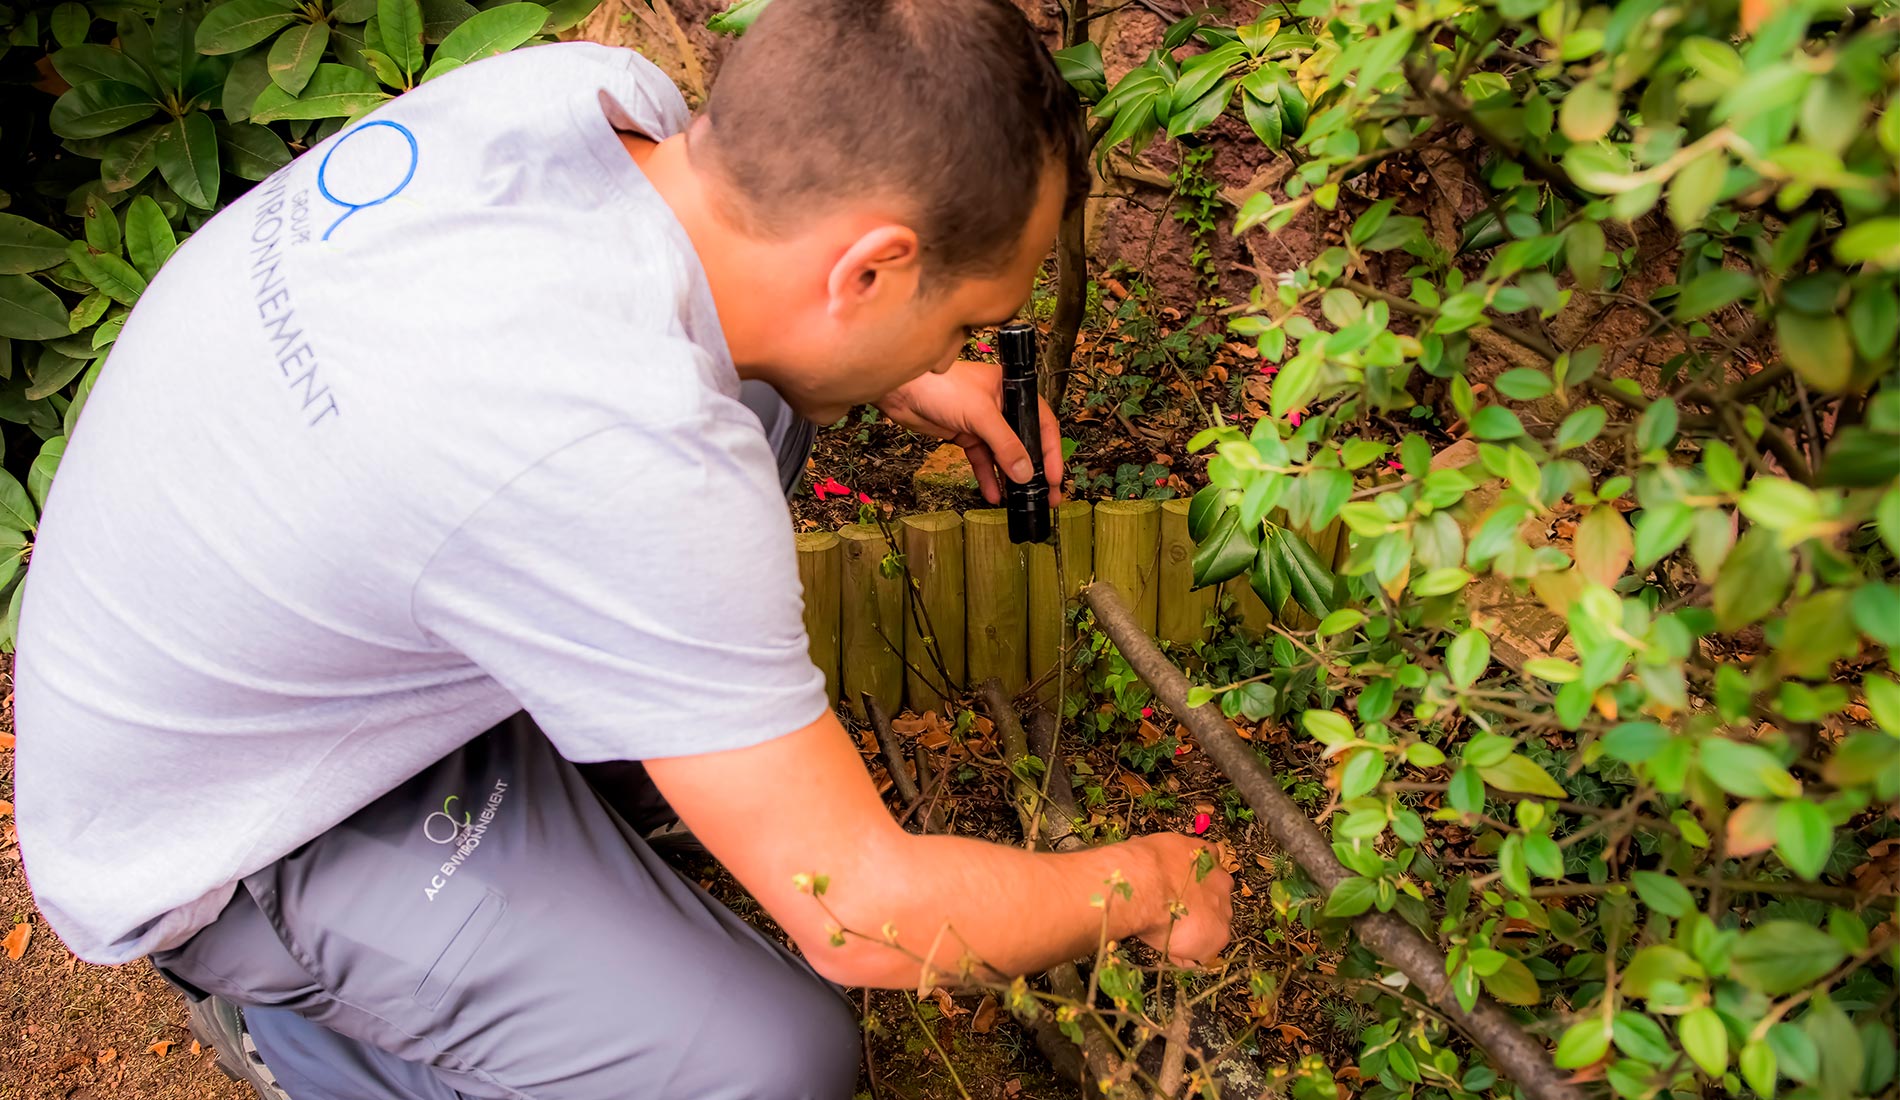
(1783, 955)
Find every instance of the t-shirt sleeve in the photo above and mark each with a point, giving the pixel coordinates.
(637, 591)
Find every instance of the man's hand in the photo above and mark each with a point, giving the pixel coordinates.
(965, 406)
(1201, 933)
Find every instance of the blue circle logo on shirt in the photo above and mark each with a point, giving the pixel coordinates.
(367, 166)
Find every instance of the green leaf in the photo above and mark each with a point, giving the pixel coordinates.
(1588, 112)
(1363, 769)
(1263, 116)
(1711, 291)
(334, 91)
(1329, 727)
(1695, 188)
(1876, 611)
(1803, 837)
(148, 236)
(1657, 965)
(52, 372)
(1310, 583)
(188, 159)
(737, 17)
(1496, 422)
(1227, 552)
(87, 62)
(1875, 242)
(1753, 581)
(131, 156)
(27, 246)
(1635, 742)
(1746, 770)
(1202, 113)
(1663, 894)
(39, 478)
(1351, 897)
(1518, 773)
(29, 311)
(1757, 1063)
(249, 151)
(1465, 792)
(1873, 319)
(1883, 699)
(1603, 545)
(248, 78)
(1080, 65)
(400, 23)
(16, 508)
(1584, 1043)
(1818, 348)
(1341, 621)
(115, 278)
(1581, 427)
(1514, 984)
(1782, 956)
(1440, 582)
(1524, 384)
(1467, 657)
(1656, 427)
(1660, 531)
(295, 54)
(1642, 1038)
(1422, 755)
(1554, 669)
(492, 32)
(98, 108)
(241, 24)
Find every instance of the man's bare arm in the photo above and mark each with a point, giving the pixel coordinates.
(803, 804)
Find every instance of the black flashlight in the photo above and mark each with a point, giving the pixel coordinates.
(1027, 503)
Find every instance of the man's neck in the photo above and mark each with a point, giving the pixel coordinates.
(741, 287)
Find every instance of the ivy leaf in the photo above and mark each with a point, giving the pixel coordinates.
(1782, 956)
(1520, 774)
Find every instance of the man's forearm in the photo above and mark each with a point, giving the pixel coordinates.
(994, 910)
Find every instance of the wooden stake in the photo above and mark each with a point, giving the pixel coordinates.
(1180, 611)
(933, 562)
(996, 586)
(1049, 593)
(871, 626)
(819, 565)
(1128, 553)
(1254, 616)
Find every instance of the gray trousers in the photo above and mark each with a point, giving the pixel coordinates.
(497, 927)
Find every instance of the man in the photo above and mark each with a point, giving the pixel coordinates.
(439, 431)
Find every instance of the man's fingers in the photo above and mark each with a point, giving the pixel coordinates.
(984, 466)
(1005, 449)
(1051, 452)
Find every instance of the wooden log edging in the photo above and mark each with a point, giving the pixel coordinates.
(1525, 1060)
(934, 609)
(820, 564)
(871, 629)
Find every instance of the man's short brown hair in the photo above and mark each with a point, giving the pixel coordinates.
(953, 107)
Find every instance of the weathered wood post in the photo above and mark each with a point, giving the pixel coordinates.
(819, 565)
(1180, 612)
(996, 585)
(933, 647)
(1128, 553)
(871, 626)
(1055, 579)
(1255, 619)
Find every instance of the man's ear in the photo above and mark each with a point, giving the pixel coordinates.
(885, 263)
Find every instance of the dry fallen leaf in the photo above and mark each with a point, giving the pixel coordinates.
(6, 808)
(162, 1047)
(16, 941)
(1288, 1033)
(6, 740)
(985, 1017)
(106, 1056)
(197, 1048)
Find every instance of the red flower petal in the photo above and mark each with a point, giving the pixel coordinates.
(983, 349)
(1201, 822)
(1180, 750)
(864, 498)
(1147, 712)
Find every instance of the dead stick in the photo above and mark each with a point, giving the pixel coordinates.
(1009, 729)
(1060, 788)
(893, 752)
(1174, 1054)
(1525, 1060)
(930, 782)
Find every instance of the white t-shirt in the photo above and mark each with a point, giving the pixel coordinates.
(435, 424)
